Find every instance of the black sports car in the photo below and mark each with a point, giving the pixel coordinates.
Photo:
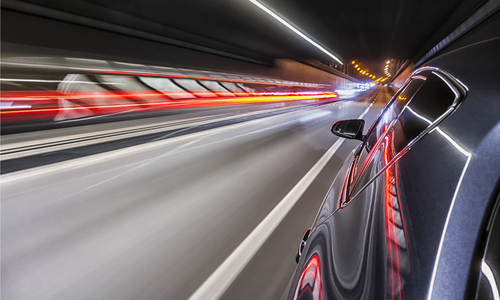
(413, 213)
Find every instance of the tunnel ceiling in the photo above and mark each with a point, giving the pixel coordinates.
(364, 30)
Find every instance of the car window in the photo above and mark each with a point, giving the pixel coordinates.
(430, 103)
(428, 97)
(383, 123)
(392, 111)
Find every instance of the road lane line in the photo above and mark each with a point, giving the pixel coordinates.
(220, 280)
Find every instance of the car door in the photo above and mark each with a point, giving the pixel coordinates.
(361, 250)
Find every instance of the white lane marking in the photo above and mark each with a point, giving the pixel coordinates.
(361, 116)
(215, 286)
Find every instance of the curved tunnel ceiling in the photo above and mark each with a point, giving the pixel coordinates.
(361, 29)
(364, 30)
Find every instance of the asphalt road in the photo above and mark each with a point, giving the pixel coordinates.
(166, 219)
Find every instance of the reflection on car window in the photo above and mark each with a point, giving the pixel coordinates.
(411, 112)
(431, 102)
(392, 111)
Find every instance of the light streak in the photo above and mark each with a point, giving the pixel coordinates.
(271, 13)
(441, 132)
(44, 80)
(443, 235)
(491, 279)
(47, 103)
(299, 84)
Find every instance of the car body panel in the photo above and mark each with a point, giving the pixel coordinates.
(413, 227)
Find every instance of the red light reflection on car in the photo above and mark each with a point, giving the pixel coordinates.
(309, 286)
(396, 234)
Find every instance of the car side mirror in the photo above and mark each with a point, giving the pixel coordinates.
(349, 129)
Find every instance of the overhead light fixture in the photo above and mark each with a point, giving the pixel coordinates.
(272, 14)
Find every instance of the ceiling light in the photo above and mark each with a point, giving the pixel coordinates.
(259, 5)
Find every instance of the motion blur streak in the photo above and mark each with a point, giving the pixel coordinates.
(171, 210)
(305, 37)
(226, 273)
(45, 105)
(209, 78)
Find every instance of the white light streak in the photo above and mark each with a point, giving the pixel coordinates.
(446, 136)
(8, 105)
(491, 279)
(443, 235)
(43, 80)
(469, 156)
(259, 5)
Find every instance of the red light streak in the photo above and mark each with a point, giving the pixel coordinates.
(45, 105)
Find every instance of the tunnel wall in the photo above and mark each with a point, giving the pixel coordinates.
(296, 71)
(402, 76)
(30, 34)
(486, 30)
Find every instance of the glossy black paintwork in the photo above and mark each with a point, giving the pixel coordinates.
(490, 262)
(414, 227)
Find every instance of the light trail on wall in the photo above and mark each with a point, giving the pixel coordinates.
(46, 105)
(311, 85)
